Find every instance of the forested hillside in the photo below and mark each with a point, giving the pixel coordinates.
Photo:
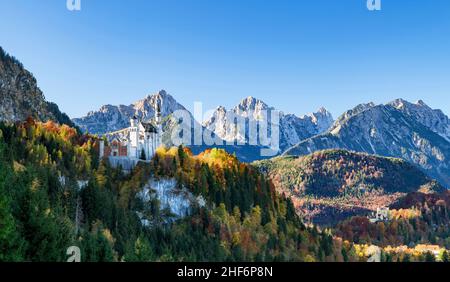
(330, 185)
(416, 221)
(55, 193)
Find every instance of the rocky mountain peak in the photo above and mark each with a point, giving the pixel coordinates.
(435, 120)
(292, 128)
(336, 127)
(399, 103)
(322, 119)
(398, 129)
(221, 109)
(421, 103)
(251, 104)
(402, 104)
(110, 118)
(323, 111)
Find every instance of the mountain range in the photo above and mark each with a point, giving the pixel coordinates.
(413, 132)
(410, 131)
(293, 129)
(111, 118)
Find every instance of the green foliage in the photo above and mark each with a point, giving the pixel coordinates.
(329, 186)
(44, 209)
(60, 117)
(430, 226)
(445, 256)
(36, 209)
(11, 243)
(327, 173)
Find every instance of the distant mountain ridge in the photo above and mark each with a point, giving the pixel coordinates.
(436, 120)
(20, 97)
(400, 129)
(412, 131)
(111, 118)
(293, 129)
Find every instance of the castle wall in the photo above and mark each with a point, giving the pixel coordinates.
(127, 164)
(123, 151)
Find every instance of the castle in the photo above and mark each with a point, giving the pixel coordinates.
(139, 141)
(382, 214)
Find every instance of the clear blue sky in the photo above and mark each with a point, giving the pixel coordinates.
(295, 55)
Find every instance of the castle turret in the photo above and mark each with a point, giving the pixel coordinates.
(133, 121)
(134, 137)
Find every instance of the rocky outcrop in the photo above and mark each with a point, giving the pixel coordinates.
(21, 98)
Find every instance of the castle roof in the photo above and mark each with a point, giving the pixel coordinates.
(117, 139)
(148, 127)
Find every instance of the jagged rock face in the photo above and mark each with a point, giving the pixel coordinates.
(293, 129)
(322, 119)
(20, 97)
(111, 118)
(179, 202)
(435, 120)
(388, 131)
(350, 113)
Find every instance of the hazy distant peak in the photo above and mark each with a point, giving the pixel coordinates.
(293, 129)
(421, 103)
(251, 104)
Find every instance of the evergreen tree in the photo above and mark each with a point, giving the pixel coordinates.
(429, 257)
(445, 256)
(142, 156)
(11, 243)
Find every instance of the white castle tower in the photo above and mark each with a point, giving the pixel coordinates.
(133, 148)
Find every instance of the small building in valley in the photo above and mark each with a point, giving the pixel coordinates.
(382, 214)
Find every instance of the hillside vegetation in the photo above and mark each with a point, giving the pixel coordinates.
(55, 193)
(416, 220)
(341, 183)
